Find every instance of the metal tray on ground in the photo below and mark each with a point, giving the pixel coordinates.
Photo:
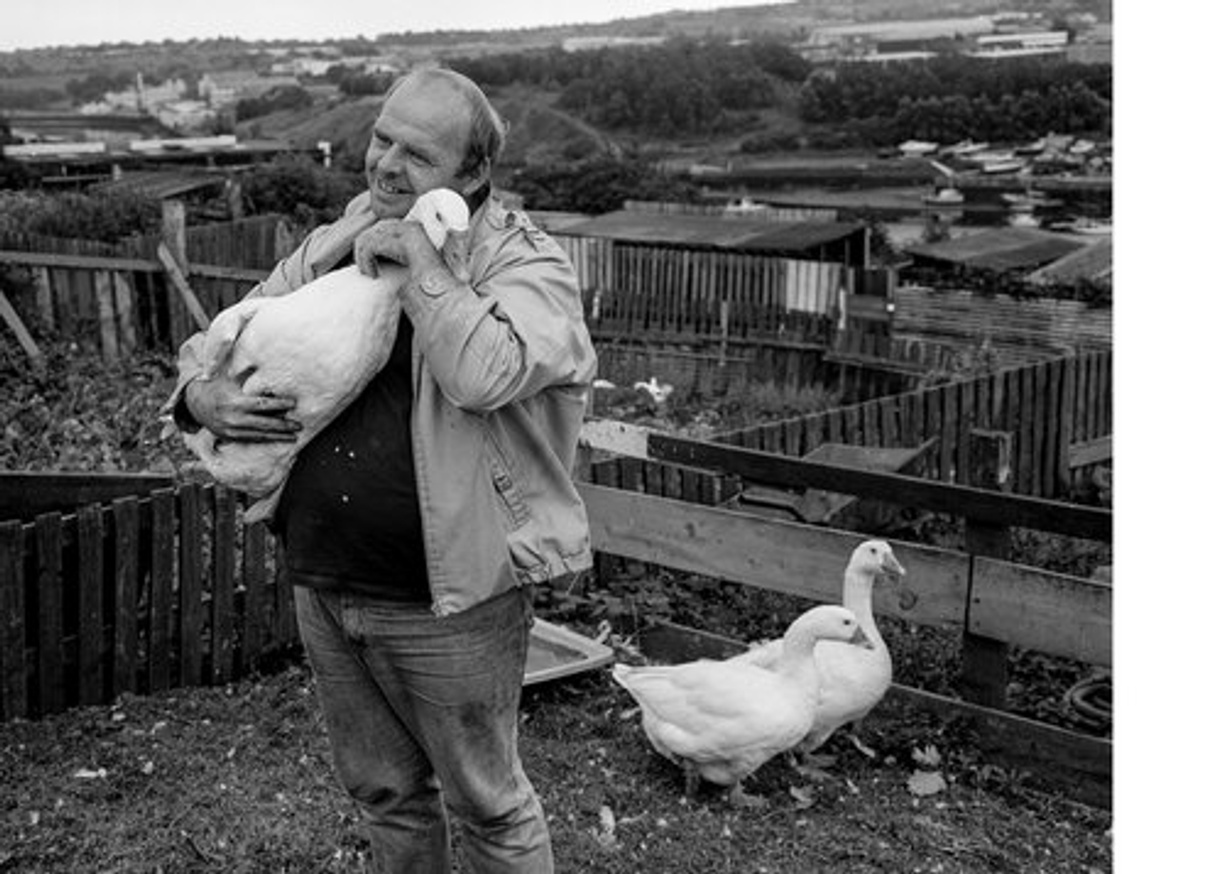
(555, 651)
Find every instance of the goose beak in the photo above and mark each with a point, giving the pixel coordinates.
(892, 567)
(860, 638)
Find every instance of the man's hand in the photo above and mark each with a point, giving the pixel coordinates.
(220, 405)
(401, 242)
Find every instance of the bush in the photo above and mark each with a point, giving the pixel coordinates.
(105, 217)
(298, 187)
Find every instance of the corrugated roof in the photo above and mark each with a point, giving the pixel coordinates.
(1002, 249)
(712, 230)
(1094, 261)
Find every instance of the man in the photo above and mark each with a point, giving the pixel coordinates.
(413, 523)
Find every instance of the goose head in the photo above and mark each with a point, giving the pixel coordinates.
(440, 211)
(829, 622)
(874, 558)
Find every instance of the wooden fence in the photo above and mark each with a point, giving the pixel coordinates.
(161, 587)
(1048, 408)
(1020, 330)
(120, 299)
(630, 287)
(656, 501)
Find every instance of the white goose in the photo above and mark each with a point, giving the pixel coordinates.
(851, 679)
(722, 720)
(320, 345)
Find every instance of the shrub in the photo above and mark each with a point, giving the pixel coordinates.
(106, 217)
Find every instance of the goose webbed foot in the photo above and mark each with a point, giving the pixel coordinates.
(860, 746)
(813, 766)
(740, 799)
(691, 780)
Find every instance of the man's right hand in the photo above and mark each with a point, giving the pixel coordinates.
(222, 407)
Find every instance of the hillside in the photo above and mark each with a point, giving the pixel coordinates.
(538, 132)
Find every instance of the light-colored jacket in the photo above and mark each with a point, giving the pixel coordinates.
(502, 366)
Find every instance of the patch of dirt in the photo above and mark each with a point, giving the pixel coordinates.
(238, 780)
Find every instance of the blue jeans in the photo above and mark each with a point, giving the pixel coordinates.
(422, 714)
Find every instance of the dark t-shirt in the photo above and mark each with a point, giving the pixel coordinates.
(349, 517)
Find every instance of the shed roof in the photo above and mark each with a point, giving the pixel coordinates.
(1002, 249)
(1094, 261)
(161, 184)
(723, 232)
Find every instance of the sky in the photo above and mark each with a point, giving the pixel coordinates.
(90, 22)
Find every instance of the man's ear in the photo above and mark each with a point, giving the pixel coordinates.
(477, 178)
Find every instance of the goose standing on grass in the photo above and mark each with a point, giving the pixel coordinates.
(320, 345)
(851, 679)
(722, 720)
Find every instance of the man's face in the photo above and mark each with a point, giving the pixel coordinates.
(418, 143)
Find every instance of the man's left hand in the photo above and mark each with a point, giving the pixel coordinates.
(398, 241)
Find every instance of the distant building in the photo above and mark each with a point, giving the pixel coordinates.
(1019, 44)
(890, 31)
(225, 88)
(590, 43)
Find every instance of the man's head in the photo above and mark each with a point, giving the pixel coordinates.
(436, 129)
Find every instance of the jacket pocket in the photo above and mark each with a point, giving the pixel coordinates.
(504, 483)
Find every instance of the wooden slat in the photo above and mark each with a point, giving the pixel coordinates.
(17, 326)
(49, 544)
(108, 324)
(83, 262)
(782, 556)
(191, 586)
(948, 427)
(125, 313)
(255, 627)
(1052, 613)
(14, 700)
(126, 514)
(1066, 424)
(1091, 452)
(1042, 450)
(161, 581)
(1024, 434)
(224, 567)
(965, 416)
(90, 582)
(179, 280)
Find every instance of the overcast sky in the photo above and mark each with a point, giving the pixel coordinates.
(90, 22)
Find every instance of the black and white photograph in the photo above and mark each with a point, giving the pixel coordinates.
(658, 436)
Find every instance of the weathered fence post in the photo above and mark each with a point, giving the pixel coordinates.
(983, 659)
(172, 252)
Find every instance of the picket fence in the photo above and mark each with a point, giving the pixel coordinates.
(142, 593)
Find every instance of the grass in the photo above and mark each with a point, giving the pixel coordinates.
(238, 780)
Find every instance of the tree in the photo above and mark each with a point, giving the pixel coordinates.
(597, 185)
